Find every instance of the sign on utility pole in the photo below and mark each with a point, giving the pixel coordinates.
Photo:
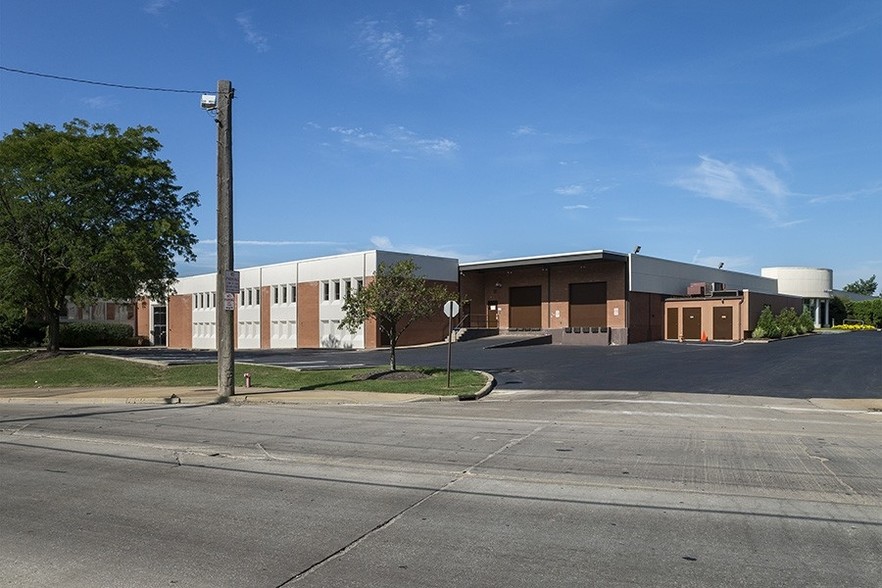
(226, 277)
(451, 309)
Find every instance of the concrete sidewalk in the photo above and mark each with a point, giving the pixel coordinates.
(189, 395)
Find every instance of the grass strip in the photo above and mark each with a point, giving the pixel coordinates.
(77, 370)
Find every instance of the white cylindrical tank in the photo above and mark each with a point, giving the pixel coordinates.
(807, 282)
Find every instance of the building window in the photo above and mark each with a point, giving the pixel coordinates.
(359, 283)
(275, 294)
(326, 291)
(337, 290)
(293, 293)
(257, 296)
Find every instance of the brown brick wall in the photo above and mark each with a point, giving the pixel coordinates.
(308, 333)
(180, 321)
(265, 303)
(480, 286)
(142, 317)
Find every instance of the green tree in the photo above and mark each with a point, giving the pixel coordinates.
(396, 298)
(838, 310)
(87, 212)
(866, 287)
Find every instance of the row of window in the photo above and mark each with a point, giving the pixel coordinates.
(340, 289)
(285, 294)
(204, 300)
(249, 329)
(204, 330)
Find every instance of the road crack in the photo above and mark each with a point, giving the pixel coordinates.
(391, 520)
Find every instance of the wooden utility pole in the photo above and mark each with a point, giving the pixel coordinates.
(226, 278)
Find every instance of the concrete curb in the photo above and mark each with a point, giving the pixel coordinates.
(488, 387)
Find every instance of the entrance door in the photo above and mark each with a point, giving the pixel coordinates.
(692, 323)
(673, 324)
(492, 314)
(723, 322)
(525, 307)
(159, 325)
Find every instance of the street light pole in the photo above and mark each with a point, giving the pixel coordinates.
(225, 304)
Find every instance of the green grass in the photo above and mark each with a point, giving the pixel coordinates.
(76, 370)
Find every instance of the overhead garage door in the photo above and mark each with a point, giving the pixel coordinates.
(525, 307)
(588, 304)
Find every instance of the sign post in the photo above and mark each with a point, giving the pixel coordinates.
(451, 309)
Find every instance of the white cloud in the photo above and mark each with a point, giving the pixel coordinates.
(576, 207)
(462, 10)
(157, 6)
(524, 131)
(398, 140)
(252, 35)
(571, 190)
(385, 46)
(752, 187)
(385, 243)
(100, 102)
(382, 242)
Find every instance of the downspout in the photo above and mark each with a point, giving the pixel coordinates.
(548, 270)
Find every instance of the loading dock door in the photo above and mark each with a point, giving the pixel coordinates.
(673, 328)
(692, 323)
(723, 323)
(588, 304)
(525, 307)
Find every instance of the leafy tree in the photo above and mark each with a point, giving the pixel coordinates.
(395, 299)
(838, 310)
(866, 287)
(87, 212)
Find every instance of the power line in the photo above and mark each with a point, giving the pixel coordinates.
(108, 84)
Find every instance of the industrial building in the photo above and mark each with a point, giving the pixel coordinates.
(595, 297)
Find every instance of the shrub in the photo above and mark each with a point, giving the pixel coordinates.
(867, 311)
(788, 322)
(766, 325)
(17, 331)
(90, 334)
(806, 322)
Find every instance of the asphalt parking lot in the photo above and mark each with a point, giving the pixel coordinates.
(845, 365)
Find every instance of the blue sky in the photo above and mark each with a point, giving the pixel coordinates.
(748, 133)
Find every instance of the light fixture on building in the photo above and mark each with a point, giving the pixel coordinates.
(637, 250)
(721, 265)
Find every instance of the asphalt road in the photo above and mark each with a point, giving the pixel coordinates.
(520, 489)
(832, 366)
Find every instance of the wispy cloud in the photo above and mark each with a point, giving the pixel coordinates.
(576, 207)
(100, 102)
(749, 186)
(385, 243)
(385, 46)
(524, 131)
(571, 190)
(396, 140)
(844, 196)
(462, 10)
(157, 6)
(824, 37)
(252, 35)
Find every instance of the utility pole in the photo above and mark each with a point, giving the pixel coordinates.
(227, 279)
